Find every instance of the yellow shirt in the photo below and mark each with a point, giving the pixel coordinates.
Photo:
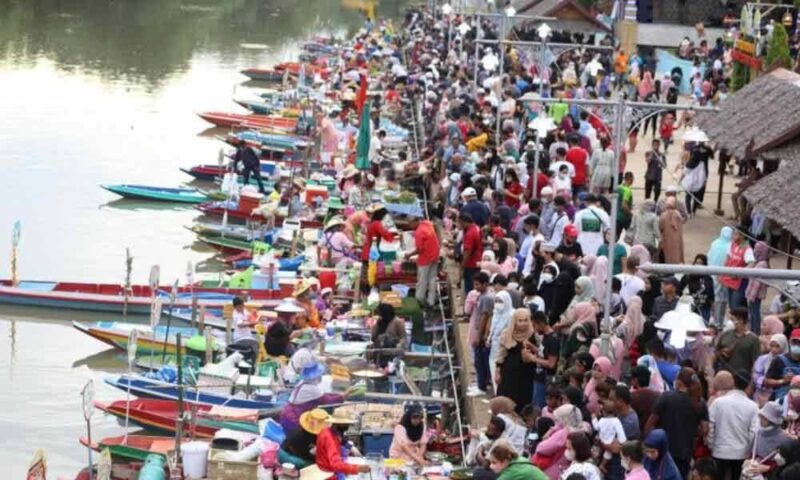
(476, 143)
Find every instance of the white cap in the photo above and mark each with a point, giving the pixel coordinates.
(455, 177)
(469, 192)
(672, 189)
(547, 191)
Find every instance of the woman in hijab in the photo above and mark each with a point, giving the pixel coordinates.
(515, 360)
(770, 325)
(658, 462)
(580, 314)
(757, 290)
(515, 429)
(671, 226)
(642, 253)
(388, 334)
(646, 86)
(584, 293)
(563, 292)
(408, 441)
(501, 318)
(644, 230)
(717, 254)
(601, 371)
(701, 288)
(598, 274)
(549, 455)
(610, 346)
(656, 380)
(277, 342)
(632, 323)
(777, 345)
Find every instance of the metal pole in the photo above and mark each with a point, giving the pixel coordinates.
(719, 211)
(760, 273)
(179, 429)
(477, 63)
(534, 193)
(502, 69)
(619, 132)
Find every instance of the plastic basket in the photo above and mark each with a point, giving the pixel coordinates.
(220, 469)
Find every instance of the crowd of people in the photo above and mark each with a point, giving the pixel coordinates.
(581, 386)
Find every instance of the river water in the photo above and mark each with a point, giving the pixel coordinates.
(104, 91)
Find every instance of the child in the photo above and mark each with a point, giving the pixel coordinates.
(617, 304)
(667, 127)
(609, 430)
(241, 323)
(530, 415)
(562, 180)
(791, 406)
(552, 400)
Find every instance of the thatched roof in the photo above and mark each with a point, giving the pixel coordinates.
(569, 14)
(788, 151)
(776, 196)
(762, 116)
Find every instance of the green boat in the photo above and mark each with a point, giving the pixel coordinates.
(134, 447)
(227, 245)
(163, 194)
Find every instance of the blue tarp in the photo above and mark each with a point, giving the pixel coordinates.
(667, 61)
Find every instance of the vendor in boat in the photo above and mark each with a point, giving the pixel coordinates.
(302, 295)
(375, 229)
(388, 334)
(278, 342)
(299, 447)
(339, 246)
(251, 165)
(409, 441)
(330, 443)
(356, 225)
(292, 197)
(324, 304)
(306, 395)
(242, 323)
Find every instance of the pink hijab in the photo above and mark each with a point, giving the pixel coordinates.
(589, 391)
(643, 254)
(633, 323)
(646, 85)
(582, 313)
(598, 275)
(770, 325)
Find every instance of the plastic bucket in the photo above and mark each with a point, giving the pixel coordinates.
(327, 280)
(195, 459)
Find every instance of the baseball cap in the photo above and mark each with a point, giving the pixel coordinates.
(674, 281)
(547, 191)
(570, 230)
(469, 192)
(795, 334)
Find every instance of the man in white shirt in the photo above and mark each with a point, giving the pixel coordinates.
(733, 422)
(558, 221)
(591, 222)
(631, 284)
(242, 327)
(532, 224)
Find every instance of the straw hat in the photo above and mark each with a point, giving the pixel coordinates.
(299, 183)
(288, 305)
(314, 421)
(375, 207)
(301, 287)
(334, 222)
(335, 203)
(313, 472)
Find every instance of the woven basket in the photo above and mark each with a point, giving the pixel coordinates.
(219, 469)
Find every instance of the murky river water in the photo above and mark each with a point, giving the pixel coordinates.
(103, 91)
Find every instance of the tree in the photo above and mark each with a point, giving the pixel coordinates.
(739, 76)
(778, 49)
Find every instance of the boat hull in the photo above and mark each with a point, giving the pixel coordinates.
(144, 192)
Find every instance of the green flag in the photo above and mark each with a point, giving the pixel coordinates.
(362, 148)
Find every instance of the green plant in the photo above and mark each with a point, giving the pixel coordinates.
(778, 48)
(739, 76)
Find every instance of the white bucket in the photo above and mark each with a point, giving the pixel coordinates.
(195, 459)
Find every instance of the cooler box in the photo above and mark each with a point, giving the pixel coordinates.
(314, 192)
(376, 441)
(268, 168)
(249, 201)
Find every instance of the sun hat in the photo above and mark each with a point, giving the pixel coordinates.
(334, 222)
(469, 192)
(314, 421)
(312, 372)
(301, 287)
(288, 305)
(339, 419)
(375, 207)
(349, 171)
(772, 412)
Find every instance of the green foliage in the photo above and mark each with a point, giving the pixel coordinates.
(739, 76)
(778, 49)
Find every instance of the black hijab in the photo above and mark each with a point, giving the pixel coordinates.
(413, 432)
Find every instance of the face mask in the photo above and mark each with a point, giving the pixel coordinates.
(779, 460)
(795, 349)
(547, 277)
(569, 455)
(626, 464)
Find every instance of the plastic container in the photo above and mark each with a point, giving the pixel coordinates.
(377, 442)
(195, 457)
(327, 280)
(153, 468)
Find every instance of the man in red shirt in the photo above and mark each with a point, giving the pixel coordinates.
(427, 250)
(578, 157)
(471, 248)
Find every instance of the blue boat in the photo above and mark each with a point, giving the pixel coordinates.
(149, 388)
(162, 194)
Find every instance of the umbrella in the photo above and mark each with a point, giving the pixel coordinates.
(362, 148)
(681, 321)
(694, 134)
(542, 125)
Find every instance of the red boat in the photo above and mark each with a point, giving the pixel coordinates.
(230, 120)
(162, 415)
(106, 297)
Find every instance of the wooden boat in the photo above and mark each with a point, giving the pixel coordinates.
(229, 120)
(162, 415)
(226, 245)
(237, 232)
(146, 192)
(214, 209)
(105, 297)
(263, 74)
(294, 69)
(119, 471)
(150, 341)
(132, 447)
(150, 388)
(210, 173)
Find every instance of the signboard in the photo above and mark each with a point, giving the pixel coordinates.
(87, 398)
